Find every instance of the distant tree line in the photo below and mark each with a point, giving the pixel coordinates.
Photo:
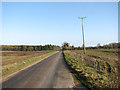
(66, 46)
(29, 47)
(106, 46)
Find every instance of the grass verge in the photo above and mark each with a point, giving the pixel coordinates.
(93, 78)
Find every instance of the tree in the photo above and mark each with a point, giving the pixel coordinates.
(72, 47)
(98, 45)
(35, 48)
(30, 48)
(65, 46)
(24, 48)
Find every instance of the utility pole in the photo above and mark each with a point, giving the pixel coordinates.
(83, 33)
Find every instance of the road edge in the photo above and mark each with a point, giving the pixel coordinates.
(5, 78)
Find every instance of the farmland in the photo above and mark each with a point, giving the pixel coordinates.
(98, 68)
(13, 61)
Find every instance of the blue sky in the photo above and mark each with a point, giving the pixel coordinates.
(39, 23)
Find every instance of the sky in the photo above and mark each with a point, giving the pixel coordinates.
(40, 23)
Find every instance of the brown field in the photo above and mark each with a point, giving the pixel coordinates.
(16, 56)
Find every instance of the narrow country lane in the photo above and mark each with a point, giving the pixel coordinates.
(51, 72)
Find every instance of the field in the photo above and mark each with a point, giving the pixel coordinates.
(98, 68)
(13, 61)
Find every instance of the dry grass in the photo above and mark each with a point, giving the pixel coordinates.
(96, 69)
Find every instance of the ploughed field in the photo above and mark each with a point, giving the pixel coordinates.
(13, 61)
(98, 68)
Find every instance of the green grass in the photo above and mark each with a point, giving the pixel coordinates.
(93, 72)
(15, 66)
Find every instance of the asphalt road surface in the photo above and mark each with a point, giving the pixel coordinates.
(51, 72)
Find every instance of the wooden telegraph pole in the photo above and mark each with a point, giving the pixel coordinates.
(83, 33)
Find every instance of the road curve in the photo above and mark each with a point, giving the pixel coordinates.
(51, 72)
